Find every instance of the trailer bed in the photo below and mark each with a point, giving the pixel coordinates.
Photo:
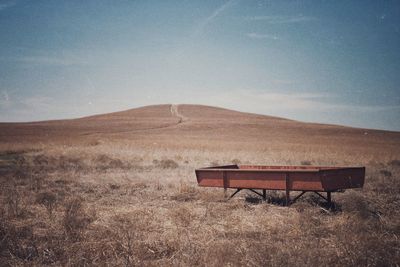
(289, 178)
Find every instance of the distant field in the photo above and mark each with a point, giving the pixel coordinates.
(120, 189)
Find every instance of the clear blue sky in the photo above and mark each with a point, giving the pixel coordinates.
(320, 61)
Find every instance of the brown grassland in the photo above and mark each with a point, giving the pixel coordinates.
(120, 189)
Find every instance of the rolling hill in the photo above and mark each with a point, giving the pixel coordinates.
(196, 126)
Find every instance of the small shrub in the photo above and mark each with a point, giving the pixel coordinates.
(236, 161)
(70, 164)
(104, 162)
(13, 201)
(114, 186)
(16, 243)
(76, 219)
(44, 161)
(35, 182)
(20, 167)
(357, 204)
(166, 164)
(61, 182)
(159, 186)
(386, 173)
(178, 158)
(93, 143)
(14, 158)
(126, 242)
(8, 153)
(395, 163)
(48, 199)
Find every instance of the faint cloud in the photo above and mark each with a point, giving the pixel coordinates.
(287, 101)
(45, 60)
(29, 108)
(5, 96)
(38, 102)
(282, 103)
(254, 35)
(6, 5)
(44, 57)
(218, 11)
(312, 101)
(282, 82)
(282, 19)
(4, 99)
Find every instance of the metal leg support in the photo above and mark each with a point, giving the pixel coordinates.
(237, 191)
(263, 195)
(255, 192)
(299, 196)
(329, 198)
(287, 197)
(321, 196)
(287, 188)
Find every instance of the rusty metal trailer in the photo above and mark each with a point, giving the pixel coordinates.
(315, 179)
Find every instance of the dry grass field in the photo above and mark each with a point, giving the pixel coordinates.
(120, 189)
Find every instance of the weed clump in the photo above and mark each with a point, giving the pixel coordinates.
(76, 218)
(395, 163)
(114, 186)
(236, 161)
(165, 164)
(104, 162)
(17, 242)
(71, 164)
(47, 199)
(13, 201)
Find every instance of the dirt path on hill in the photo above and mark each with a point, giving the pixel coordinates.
(175, 112)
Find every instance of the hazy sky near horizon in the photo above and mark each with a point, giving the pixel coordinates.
(318, 61)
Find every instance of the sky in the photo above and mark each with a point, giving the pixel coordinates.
(335, 62)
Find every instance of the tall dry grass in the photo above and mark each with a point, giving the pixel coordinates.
(93, 206)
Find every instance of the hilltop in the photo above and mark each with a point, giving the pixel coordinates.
(205, 127)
